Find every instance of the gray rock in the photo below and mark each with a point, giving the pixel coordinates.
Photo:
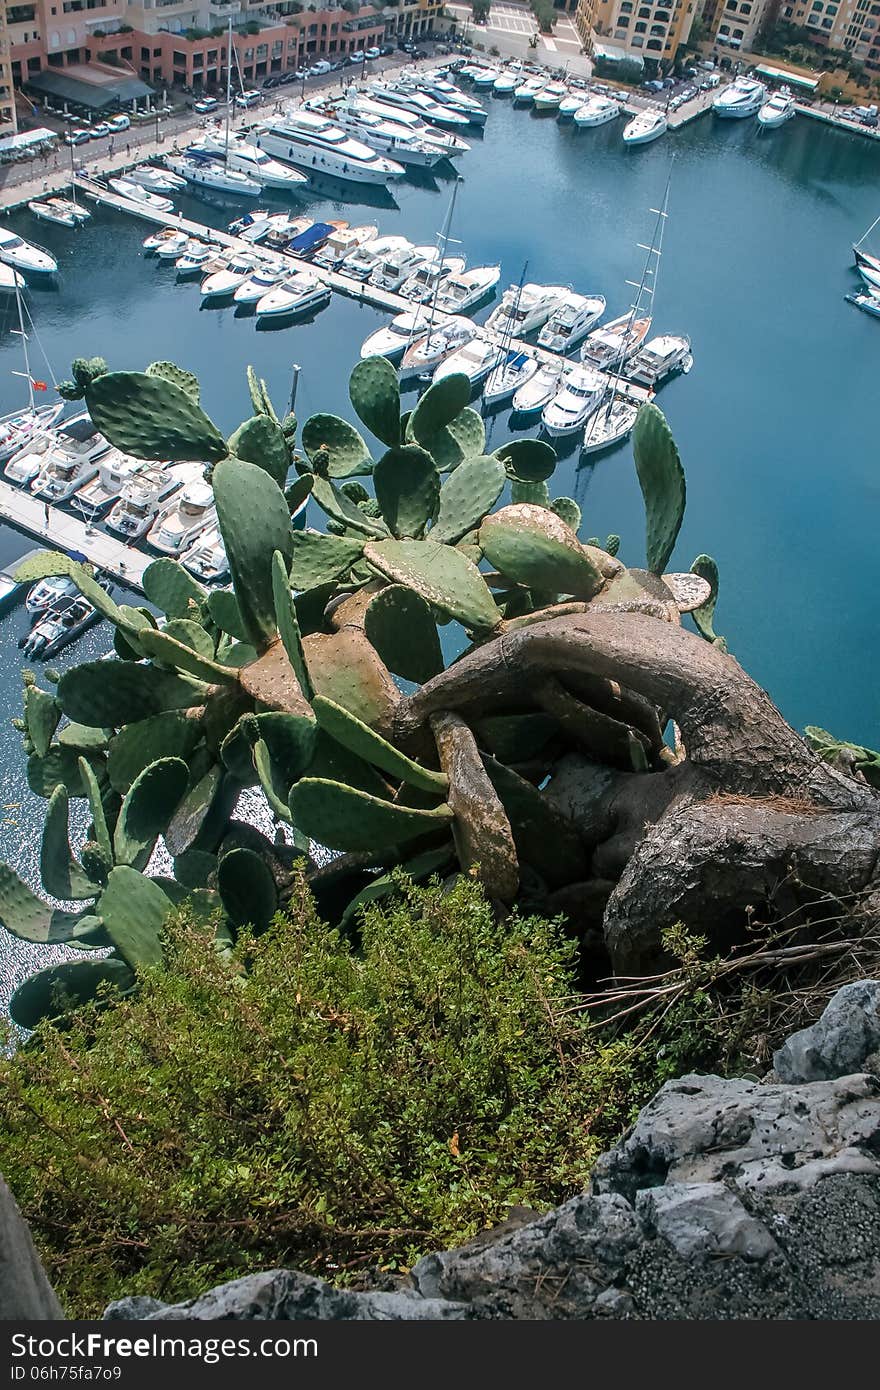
(25, 1293)
(703, 1218)
(841, 1042)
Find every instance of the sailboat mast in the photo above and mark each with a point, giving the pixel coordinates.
(228, 90)
(27, 365)
(866, 234)
(444, 239)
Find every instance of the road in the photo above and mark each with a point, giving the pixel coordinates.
(511, 26)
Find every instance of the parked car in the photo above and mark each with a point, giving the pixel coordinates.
(655, 85)
(205, 104)
(335, 67)
(420, 53)
(98, 131)
(318, 69)
(357, 57)
(285, 78)
(386, 50)
(77, 137)
(247, 99)
(117, 123)
(372, 53)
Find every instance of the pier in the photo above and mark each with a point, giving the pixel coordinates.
(66, 531)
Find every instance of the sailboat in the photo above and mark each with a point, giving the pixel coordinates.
(614, 417)
(429, 349)
(511, 369)
(863, 260)
(21, 426)
(208, 168)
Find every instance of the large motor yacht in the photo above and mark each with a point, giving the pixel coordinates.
(743, 97)
(317, 145)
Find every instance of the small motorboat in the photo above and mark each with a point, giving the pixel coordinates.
(283, 231)
(342, 243)
(549, 97)
(528, 90)
(508, 377)
(296, 294)
(581, 391)
(66, 620)
(206, 557)
(158, 238)
(259, 283)
(398, 266)
(610, 423)
(114, 471)
(571, 320)
(193, 257)
(184, 517)
(426, 354)
(204, 171)
(484, 77)
(571, 102)
(161, 181)
(222, 283)
(256, 226)
(777, 109)
(136, 193)
(10, 279)
(143, 495)
(658, 359)
(394, 338)
(74, 441)
(364, 259)
(172, 247)
(867, 300)
(475, 360)
(23, 425)
(540, 389)
(462, 292)
(70, 462)
(62, 211)
(596, 110)
(506, 83)
(525, 308)
(24, 255)
(648, 125)
(13, 590)
(46, 592)
(612, 344)
(420, 286)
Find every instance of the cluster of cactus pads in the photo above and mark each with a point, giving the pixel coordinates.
(291, 681)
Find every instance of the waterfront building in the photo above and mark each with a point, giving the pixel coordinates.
(8, 123)
(737, 23)
(639, 28)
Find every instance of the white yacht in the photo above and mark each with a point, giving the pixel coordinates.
(343, 242)
(183, 518)
(384, 135)
(743, 97)
(607, 347)
(778, 109)
(540, 389)
(397, 94)
(394, 338)
(611, 422)
(10, 279)
(459, 293)
(239, 266)
(506, 83)
(172, 247)
(596, 110)
(449, 144)
(46, 592)
(549, 97)
(75, 439)
(136, 193)
(420, 286)
(21, 426)
(448, 96)
(399, 265)
(193, 257)
(153, 240)
(523, 309)
(62, 211)
(70, 461)
(259, 283)
(318, 146)
(426, 353)
(528, 89)
(571, 102)
(648, 125)
(206, 557)
(204, 171)
(571, 320)
(868, 273)
(581, 392)
(248, 159)
(484, 77)
(155, 179)
(297, 294)
(476, 360)
(361, 263)
(659, 358)
(143, 495)
(505, 379)
(115, 469)
(23, 255)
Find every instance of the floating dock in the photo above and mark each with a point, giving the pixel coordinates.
(66, 531)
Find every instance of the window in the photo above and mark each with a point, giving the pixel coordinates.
(644, 13)
(738, 33)
(145, 55)
(641, 28)
(624, 24)
(157, 53)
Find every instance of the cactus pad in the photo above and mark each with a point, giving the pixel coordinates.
(179, 377)
(343, 818)
(344, 667)
(439, 406)
(704, 615)
(534, 547)
(568, 509)
(148, 807)
(224, 610)
(345, 451)
(661, 478)
(375, 395)
(134, 909)
(167, 735)
(318, 560)
(59, 872)
(407, 489)
(467, 495)
(441, 575)
(152, 418)
(247, 889)
(104, 694)
(261, 441)
(26, 916)
(254, 522)
(370, 746)
(41, 715)
(61, 988)
(528, 460)
(399, 624)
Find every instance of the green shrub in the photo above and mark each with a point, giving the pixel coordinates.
(332, 1109)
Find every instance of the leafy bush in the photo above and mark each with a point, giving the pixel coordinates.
(332, 1109)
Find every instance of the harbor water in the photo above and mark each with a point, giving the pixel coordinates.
(775, 422)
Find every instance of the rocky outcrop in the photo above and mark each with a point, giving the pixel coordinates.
(25, 1292)
(726, 1199)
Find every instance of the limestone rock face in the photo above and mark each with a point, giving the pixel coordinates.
(726, 1199)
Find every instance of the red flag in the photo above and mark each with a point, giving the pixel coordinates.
(39, 386)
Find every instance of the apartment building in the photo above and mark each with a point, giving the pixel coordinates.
(8, 123)
(642, 28)
(850, 26)
(184, 41)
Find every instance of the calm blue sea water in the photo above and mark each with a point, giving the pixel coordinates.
(776, 422)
